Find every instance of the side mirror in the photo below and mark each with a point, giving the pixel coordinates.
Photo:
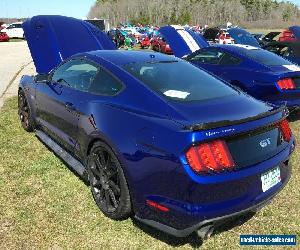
(41, 78)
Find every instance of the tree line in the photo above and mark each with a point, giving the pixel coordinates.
(246, 13)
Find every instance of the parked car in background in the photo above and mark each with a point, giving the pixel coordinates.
(258, 72)
(288, 50)
(145, 42)
(2, 25)
(14, 30)
(292, 34)
(159, 44)
(270, 37)
(3, 37)
(229, 36)
(152, 140)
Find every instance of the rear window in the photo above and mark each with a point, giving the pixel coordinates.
(265, 57)
(179, 81)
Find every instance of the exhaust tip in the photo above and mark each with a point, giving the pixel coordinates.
(206, 231)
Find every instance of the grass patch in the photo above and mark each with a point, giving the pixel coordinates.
(44, 205)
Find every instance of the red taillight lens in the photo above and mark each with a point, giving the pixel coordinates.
(286, 130)
(208, 156)
(286, 84)
(157, 206)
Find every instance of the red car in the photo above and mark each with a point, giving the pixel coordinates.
(4, 37)
(145, 42)
(159, 44)
(287, 36)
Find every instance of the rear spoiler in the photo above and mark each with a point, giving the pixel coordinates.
(224, 123)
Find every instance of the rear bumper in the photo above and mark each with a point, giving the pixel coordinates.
(212, 221)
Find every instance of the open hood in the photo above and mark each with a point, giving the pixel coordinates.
(52, 39)
(182, 42)
(270, 36)
(210, 34)
(296, 31)
(241, 36)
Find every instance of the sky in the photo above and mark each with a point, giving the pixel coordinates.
(28, 8)
(296, 2)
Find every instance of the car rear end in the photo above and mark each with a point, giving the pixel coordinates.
(276, 80)
(229, 155)
(288, 87)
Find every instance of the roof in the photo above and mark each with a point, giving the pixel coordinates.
(120, 57)
(238, 48)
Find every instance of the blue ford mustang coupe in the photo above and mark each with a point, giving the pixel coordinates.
(258, 72)
(155, 136)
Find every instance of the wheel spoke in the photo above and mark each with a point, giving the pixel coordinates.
(114, 187)
(113, 198)
(96, 183)
(96, 172)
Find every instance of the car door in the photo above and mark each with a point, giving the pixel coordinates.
(58, 101)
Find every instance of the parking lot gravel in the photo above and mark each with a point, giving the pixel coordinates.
(15, 61)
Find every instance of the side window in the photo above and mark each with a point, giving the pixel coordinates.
(228, 59)
(11, 26)
(105, 84)
(208, 57)
(77, 74)
(18, 25)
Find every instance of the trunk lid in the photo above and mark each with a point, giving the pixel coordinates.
(232, 109)
(51, 39)
(270, 36)
(182, 42)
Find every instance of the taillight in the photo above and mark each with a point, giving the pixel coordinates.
(210, 156)
(286, 130)
(157, 206)
(286, 84)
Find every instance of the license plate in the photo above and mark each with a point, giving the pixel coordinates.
(270, 179)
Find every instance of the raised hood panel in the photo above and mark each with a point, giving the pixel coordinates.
(182, 42)
(242, 36)
(296, 31)
(52, 39)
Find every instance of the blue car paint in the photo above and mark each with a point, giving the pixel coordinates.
(149, 136)
(242, 36)
(253, 77)
(296, 31)
(56, 33)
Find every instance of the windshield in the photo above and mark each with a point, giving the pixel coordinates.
(179, 81)
(265, 57)
(243, 37)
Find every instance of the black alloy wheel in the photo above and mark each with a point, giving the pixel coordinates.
(108, 183)
(24, 112)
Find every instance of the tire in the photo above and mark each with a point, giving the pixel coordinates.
(24, 112)
(108, 183)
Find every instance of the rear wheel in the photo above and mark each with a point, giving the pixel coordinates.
(108, 182)
(24, 112)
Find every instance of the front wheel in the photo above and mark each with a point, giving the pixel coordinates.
(24, 113)
(108, 182)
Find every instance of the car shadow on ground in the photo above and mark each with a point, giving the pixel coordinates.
(294, 116)
(193, 240)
